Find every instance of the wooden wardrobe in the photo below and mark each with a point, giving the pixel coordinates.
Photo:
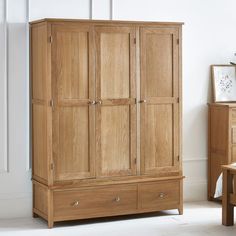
(106, 118)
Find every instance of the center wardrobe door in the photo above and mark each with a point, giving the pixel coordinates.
(116, 103)
(73, 93)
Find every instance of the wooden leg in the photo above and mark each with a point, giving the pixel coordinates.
(181, 211)
(227, 208)
(35, 215)
(50, 224)
(50, 209)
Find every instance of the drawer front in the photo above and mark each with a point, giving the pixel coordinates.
(101, 201)
(159, 195)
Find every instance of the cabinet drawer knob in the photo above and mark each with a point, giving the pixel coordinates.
(92, 102)
(161, 195)
(143, 101)
(117, 199)
(76, 203)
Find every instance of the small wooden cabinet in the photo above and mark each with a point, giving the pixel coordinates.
(221, 141)
(106, 118)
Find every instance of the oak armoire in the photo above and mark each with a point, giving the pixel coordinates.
(106, 118)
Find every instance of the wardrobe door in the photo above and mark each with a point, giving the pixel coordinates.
(159, 100)
(116, 103)
(73, 95)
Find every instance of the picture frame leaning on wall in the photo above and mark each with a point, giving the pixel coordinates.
(224, 83)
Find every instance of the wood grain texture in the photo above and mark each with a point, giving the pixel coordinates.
(153, 195)
(160, 118)
(92, 136)
(115, 65)
(115, 140)
(73, 63)
(73, 154)
(109, 200)
(221, 149)
(227, 206)
(39, 97)
(115, 89)
(39, 149)
(74, 116)
(38, 62)
(159, 138)
(40, 198)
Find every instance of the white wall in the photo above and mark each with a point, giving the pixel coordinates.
(209, 38)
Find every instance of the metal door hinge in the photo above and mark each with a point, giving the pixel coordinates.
(134, 40)
(178, 158)
(50, 39)
(177, 100)
(177, 41)
(135, 161)
(52, 166)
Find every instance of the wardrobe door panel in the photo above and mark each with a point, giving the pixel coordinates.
(115, 65)
(115, 93)
(159, 66)
(159, 136)
(73, 153)
(159, 100)
(72, 58)
(73, 91)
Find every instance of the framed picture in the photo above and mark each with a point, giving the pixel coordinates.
(224, 83)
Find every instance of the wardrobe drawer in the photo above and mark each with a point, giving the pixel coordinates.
(159, 195)
(92, 202)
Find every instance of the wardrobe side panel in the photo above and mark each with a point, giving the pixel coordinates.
(38, 65)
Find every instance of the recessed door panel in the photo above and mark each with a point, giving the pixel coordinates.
(159, 65)
(115, 59)
(73, 64)
(73, 155)
(158, 136)
(115, 139)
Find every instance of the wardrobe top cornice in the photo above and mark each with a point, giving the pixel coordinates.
(51, 20)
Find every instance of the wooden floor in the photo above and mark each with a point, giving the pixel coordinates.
(200, 218)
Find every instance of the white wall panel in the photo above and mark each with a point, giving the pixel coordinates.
(59, 9)
(101, 9)
(3, 89)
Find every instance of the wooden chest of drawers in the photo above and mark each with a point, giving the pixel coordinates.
(221, 141)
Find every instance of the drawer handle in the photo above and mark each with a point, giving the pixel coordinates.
(75, 204)
(161, 195)
(117, 199)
